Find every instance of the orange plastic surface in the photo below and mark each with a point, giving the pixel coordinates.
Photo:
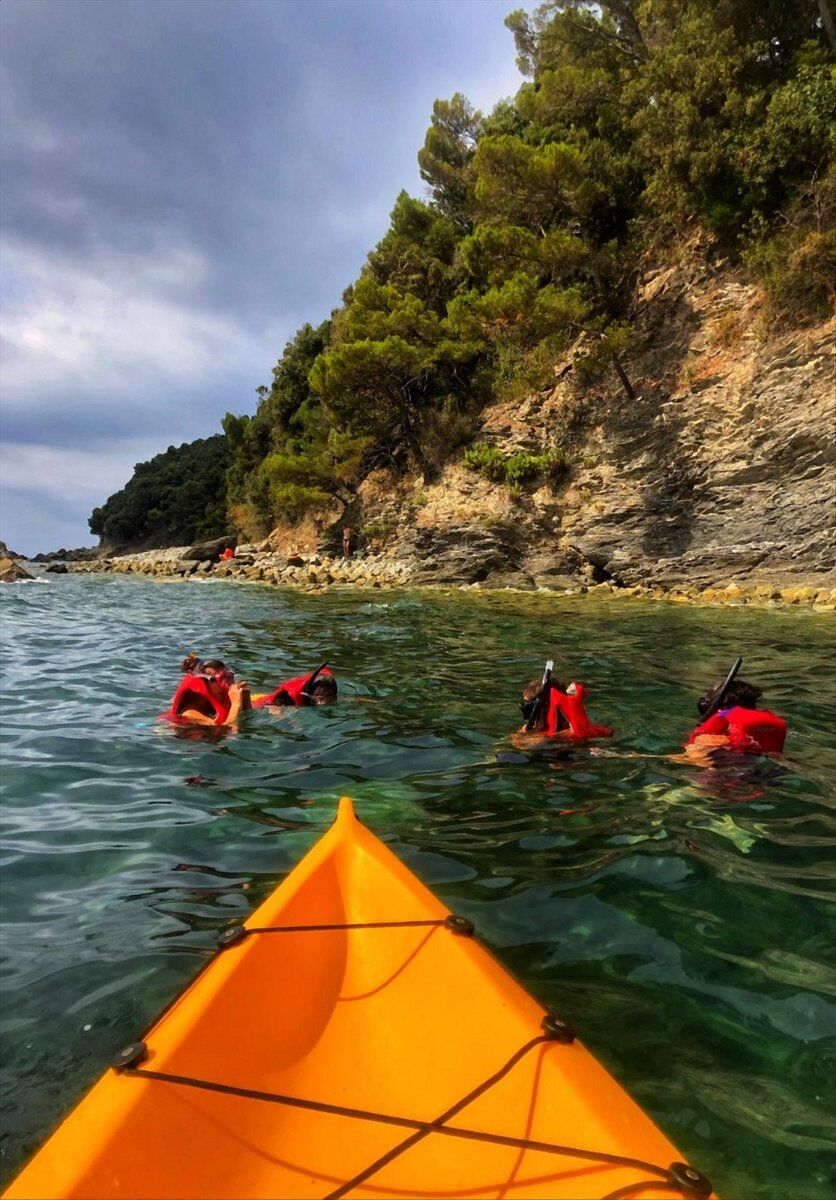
(401, 1021)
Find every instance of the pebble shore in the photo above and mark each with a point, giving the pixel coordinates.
(317, 572)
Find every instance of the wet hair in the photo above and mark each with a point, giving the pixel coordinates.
(191, 661)
(532, 690)
(324, 690)
(739, 695)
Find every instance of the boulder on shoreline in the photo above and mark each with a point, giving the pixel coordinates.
(211, 549)
(471, 556)
(80, 554)
(462, 553)
(13, 572)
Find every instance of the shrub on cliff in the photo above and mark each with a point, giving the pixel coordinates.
(518, 469)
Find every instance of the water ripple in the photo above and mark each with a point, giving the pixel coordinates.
(679, 919)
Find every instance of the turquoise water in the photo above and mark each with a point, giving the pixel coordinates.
(682, 922)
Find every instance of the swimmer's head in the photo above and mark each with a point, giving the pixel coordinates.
(739, 694)
(529, 700)
(324, 690)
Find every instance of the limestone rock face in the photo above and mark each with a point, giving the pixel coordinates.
(733, 479)
(722, 470)
(716, 483)
(461, 553)
(518, 580)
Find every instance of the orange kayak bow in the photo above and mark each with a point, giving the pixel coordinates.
(353, 1039)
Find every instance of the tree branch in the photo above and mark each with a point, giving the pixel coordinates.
(828, 22)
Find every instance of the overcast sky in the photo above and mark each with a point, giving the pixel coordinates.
(184, 183)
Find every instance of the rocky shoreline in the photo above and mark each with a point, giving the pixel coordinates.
(317, 572)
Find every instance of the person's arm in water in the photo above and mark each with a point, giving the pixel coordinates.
(707, 742)
(706, 750)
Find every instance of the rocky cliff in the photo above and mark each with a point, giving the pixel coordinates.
(720, 471)
(715, 480)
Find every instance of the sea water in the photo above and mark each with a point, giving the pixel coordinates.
(681, 920)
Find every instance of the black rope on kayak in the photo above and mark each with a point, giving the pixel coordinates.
(646, 1185)
(237, 933)
(690, 1182)
(420, 1134)
(555, 1030)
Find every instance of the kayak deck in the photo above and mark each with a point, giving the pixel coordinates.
(340, 1050)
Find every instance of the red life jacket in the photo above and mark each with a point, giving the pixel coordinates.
(290, 692)
(749, 730)
(190, 687)
(570, 706)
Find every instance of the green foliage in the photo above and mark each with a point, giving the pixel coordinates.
(445, 159)
(377, 531)
(798, 262)
(288, 428)
(392, 364)
(603, 347)
(487, 460)
(175, 497)
(299, 482)
(517, 470)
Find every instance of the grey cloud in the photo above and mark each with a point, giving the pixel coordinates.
(184, 184)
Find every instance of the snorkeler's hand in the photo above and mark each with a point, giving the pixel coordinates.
(705, 750)
(239, 696)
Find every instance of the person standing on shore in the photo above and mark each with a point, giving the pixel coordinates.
(348, 539)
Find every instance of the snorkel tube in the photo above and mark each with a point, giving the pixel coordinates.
(707, 708)
(307, 691)
(296, 692)
(535, 707)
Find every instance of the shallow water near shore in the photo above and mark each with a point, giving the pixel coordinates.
(683, 923)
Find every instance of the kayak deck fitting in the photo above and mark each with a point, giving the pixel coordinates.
(353, 1039)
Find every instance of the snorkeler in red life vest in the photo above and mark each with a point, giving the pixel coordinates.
(555, 710)
(209, 694)
(732, 721)
(317, 687)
